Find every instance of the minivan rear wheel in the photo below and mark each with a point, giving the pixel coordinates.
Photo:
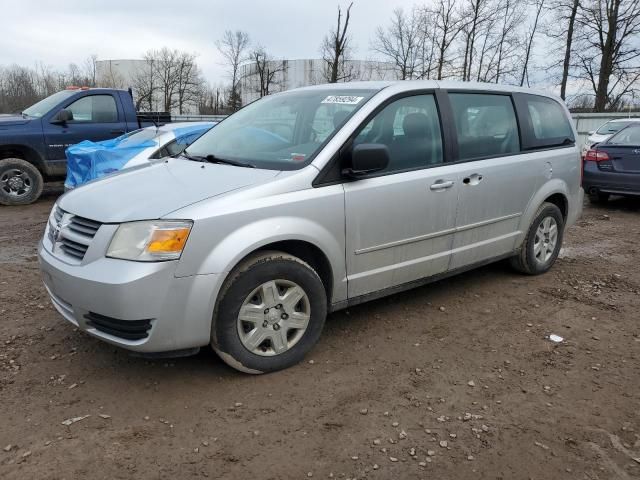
(270, 314)
(542, 243)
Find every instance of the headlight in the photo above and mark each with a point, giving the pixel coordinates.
(150, 241)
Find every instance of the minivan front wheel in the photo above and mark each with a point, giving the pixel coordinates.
(542, 243)
(270, 314)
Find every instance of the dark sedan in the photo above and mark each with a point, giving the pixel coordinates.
(613, 166)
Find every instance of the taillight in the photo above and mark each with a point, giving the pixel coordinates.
(596, 156)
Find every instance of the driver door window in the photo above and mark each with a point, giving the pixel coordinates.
(94, 109)
(410, 128)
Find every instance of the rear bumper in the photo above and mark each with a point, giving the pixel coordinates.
(596, 180)
(139, 306)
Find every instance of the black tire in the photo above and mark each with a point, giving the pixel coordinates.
(245, 278)
(599, 197)
(20, 182)
(525, 261)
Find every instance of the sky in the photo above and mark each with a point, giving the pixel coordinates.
(59, 32)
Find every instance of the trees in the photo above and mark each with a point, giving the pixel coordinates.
(335, 50)
(168, 80)
(233, 47)
(447, 24)
(478, 14)
(401, 43)
(266, 70)
(609, 53)
(533, 29)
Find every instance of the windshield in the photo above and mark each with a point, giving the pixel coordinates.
(44, 106)
(629, 137)
(281, 132)
(612, 127)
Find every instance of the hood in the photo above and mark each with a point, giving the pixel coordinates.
(155, 190)
(13, 120)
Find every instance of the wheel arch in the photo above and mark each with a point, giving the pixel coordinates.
(23, 152)
(554, 191)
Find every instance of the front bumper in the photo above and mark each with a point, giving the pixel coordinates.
(178, 309)
(595, 180)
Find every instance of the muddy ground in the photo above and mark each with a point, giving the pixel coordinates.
(451, 381)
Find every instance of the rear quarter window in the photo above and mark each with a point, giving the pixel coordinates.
(549, 125)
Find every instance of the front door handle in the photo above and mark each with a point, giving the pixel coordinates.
(441, 185)
(117, 132)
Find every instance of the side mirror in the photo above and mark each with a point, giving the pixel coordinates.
(368, 158)
(63, 116)
(591, 132)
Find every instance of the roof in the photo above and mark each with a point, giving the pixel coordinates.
(408, 85)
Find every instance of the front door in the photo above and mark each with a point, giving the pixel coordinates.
(400, 222)
(95, 118)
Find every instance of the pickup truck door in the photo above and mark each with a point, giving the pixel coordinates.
(96, 116)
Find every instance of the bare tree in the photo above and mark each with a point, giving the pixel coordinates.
(609, 54)
(189, 82)
(233, 47)
(169, 79)
(17, 89)
(89, 67)
(447, 24)
(477, 14)
(144, 85)
(266, 70)
(211, 101)
(533, 29)
(511, 18)
(335, 48)
(401, 43)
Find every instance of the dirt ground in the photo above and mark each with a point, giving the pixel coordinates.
(455, 380)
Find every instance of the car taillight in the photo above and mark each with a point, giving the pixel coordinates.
(596, 156)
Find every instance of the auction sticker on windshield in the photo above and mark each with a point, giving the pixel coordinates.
(343, 99)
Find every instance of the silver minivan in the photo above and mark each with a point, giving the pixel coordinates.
(309, 201)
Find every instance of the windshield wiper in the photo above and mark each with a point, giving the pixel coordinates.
(213, 159)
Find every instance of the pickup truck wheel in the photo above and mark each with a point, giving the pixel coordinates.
(542, 244)
(270, 314)
(20, 182)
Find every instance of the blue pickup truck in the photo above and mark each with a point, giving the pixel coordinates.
(33, 143)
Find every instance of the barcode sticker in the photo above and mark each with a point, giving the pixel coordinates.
(343, 99)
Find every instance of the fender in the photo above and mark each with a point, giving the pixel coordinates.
(550, 187)
(256, 235)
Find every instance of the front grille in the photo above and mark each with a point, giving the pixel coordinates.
(84, 226)
(71, 234)
(125, 329)
(73, 249)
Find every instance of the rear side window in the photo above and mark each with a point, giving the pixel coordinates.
(549, 123)
(485, 124)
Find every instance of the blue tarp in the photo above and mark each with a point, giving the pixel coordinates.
(90, 160)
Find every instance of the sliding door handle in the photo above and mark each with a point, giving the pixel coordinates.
(441, 185)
